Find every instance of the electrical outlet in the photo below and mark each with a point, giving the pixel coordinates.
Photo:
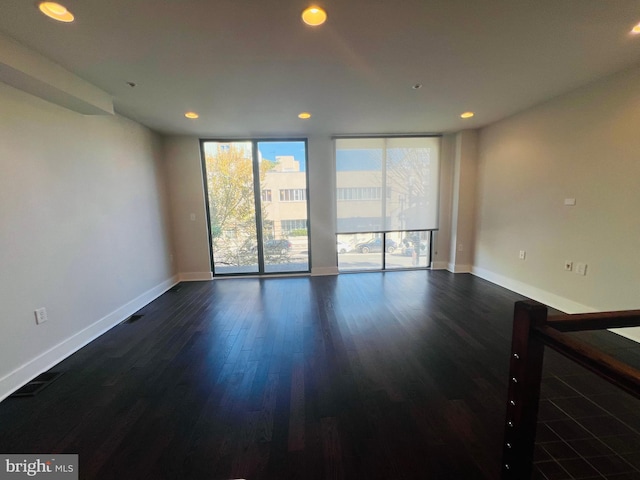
(581, 268)
(522, 255)
(41, 315)
(568, 266)
(192, 217)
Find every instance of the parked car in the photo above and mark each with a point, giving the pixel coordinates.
(344, 247)
(281, 246)
(275, 247)
(375, 245)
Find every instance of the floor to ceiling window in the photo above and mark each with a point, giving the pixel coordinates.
(387, 201)
(257, 206)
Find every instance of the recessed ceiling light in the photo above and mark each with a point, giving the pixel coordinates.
(56, 11)
(314, 16)
(304, 115)
(636, 30)
(467, 115)
(191, 115)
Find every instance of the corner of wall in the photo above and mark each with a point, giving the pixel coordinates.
(34, 367)
(322, 271)
(459, 178)
(195, 276)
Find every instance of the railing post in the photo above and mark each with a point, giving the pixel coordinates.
(525, 373)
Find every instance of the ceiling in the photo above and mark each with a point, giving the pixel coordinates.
(249, 67)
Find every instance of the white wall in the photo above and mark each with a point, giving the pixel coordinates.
(583, 145)
(84, 230)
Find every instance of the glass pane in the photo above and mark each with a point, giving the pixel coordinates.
(387, 184)
(362, 251)
(412, 250)
(412, 183)
(359, 188)
(229, 171)
(283, 187)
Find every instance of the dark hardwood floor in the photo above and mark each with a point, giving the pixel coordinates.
(398, 375)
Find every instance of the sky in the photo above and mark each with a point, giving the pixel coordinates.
(347, 159)
(358, 160)
(271, 150)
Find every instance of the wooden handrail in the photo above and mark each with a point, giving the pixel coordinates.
(607, 367)
(533, 329)
(594, 321)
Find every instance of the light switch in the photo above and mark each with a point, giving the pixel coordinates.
(570, 201)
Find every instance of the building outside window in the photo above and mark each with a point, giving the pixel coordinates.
(289, 226)
(293, 195)
(359, 193)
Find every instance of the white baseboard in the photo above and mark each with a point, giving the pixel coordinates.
(319, 271)
(459, 268)
(559, 303)
(441, 265)
(195, 276)
(43, 362)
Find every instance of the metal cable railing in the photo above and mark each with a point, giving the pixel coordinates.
(533, 329)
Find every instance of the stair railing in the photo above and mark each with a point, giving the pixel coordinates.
(533, 329)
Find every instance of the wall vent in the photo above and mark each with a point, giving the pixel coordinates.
(36, 385)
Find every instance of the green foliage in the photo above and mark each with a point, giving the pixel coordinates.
(232, 205)
(216, 231)
(300, 232)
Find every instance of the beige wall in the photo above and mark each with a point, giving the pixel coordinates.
(188, 211)
(84, 229)
(583, 145)
(463, 201)
(322, 205)
(442, 238)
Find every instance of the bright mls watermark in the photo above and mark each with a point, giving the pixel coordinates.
(51, 467)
